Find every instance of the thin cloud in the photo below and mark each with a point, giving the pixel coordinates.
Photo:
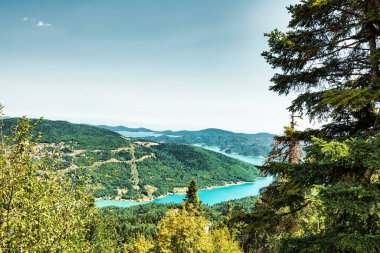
(36, 23)
(43, 24)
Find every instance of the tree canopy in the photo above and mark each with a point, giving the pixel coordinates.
(331, 58)
(329, 200)
(41, 210)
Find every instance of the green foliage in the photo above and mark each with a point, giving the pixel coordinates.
(135, 221)
(177, 164)
(243, 204)
(138, 221)
(329, 56)
(100, 155)
(123, 156)
(188, 232)
(109, 177)
(244, 144)
(80, 136)
(332, 196)
(41, 210)
(183, 231)
(191, 198)
(174, 165)
(141, 151)
(143, 245)
(328, 151)
(103, 235)
(329, 201)
(222, 242)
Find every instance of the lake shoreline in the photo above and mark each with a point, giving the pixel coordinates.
(180, 192)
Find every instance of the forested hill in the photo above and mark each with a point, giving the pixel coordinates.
(81, 136)
(258, 144)
(127, 168)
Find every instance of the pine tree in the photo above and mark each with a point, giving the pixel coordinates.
(287, 148)
(191, 199)
(330, 57)
(329, 201)
(228, 210)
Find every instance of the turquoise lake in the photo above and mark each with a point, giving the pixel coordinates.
(256, 160)
(208, 196)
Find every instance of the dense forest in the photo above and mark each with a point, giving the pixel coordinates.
(172, 167)
(140, 220)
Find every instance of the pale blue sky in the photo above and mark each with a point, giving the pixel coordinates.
(164, 64)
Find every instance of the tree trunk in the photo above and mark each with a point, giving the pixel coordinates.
(374, 55)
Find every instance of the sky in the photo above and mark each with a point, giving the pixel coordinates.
(161, 64)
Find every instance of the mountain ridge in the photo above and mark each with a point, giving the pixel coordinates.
(205, 130)
(124, 128)
(257, 144)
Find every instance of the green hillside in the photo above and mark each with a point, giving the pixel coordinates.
(81, 136)
(159, 169)
(258, 144)
(123, 168)
(176, 164)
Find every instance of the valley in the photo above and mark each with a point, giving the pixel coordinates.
(124, 168)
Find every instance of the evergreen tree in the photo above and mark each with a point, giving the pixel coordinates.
(329, 202)
(191, 199)
(287, 148)
(228, 210)
(330, 56)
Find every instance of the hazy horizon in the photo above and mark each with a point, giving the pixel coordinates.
(303, 124)
(161, 65)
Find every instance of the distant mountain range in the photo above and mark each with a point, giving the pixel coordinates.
(123, 128)
(258, 144)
